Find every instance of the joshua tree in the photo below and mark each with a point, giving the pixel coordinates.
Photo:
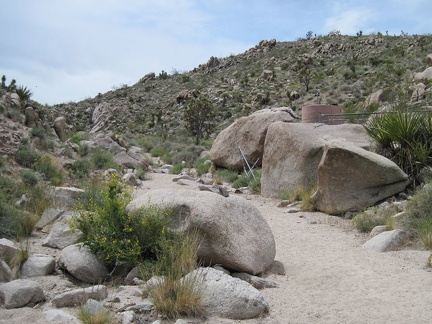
(3, 82)
(199, 114)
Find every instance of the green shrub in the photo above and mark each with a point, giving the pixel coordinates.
(302, 194)
(202, 166)
(83, 167)
(167, 158)
(26, 156)
(141, 174)
(242, 181)
(117, 236)
(38, 132)
(176, 295)
(227, 175)
(15, 223)
(50, 170)
(158, 151)
(29, 178)
(102, 316)
(418, 219)
(176, 168)
(78, 137)
(103, 159)
(364, 222)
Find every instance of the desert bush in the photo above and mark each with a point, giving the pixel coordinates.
(365, 221)
(50, 169)
(83, 167)
(148, 142)
(175, 295)
(176, 168)
(116, 235)
(38, 132)
(19, 258)
(418, 219)
(29, 178)
(405, 138)
(227, 175)
(26, 156)
(158, 151)
(201, 165)
(302, 194)
(78, 137)
(141, 174)
(103, 159)
(102, 316)
(252, 181)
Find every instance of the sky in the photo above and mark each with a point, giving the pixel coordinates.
(70, 50)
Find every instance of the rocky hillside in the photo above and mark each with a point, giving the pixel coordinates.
(344, 70)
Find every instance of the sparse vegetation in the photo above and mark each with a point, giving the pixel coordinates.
(301, 194)
(418, 219)
(103, 316)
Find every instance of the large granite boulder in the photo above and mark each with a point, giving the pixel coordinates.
(249, 133)
(232, 232)
(351, 178)
(293, 151)
(81, 263)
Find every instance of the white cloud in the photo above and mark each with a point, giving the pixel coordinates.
(348, 19)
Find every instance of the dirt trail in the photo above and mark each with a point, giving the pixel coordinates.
(329, 277)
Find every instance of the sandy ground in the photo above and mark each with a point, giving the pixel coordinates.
(329, 277)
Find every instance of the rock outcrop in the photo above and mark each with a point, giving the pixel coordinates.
(249, 133)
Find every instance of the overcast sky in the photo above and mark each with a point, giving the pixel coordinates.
(69, 50)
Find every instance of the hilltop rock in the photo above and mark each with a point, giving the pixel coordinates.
(60, 128)
(249, 133)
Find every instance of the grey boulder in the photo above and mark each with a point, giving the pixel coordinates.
(20, 293)
(81, 263)
(232, 232)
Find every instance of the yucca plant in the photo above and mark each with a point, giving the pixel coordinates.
(405, 138)
(24, 94)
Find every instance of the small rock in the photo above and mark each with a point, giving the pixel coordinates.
(38, 265)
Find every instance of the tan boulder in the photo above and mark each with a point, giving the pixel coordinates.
(351, 178)
(293, 151)
(232, 232)
(249, 133)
